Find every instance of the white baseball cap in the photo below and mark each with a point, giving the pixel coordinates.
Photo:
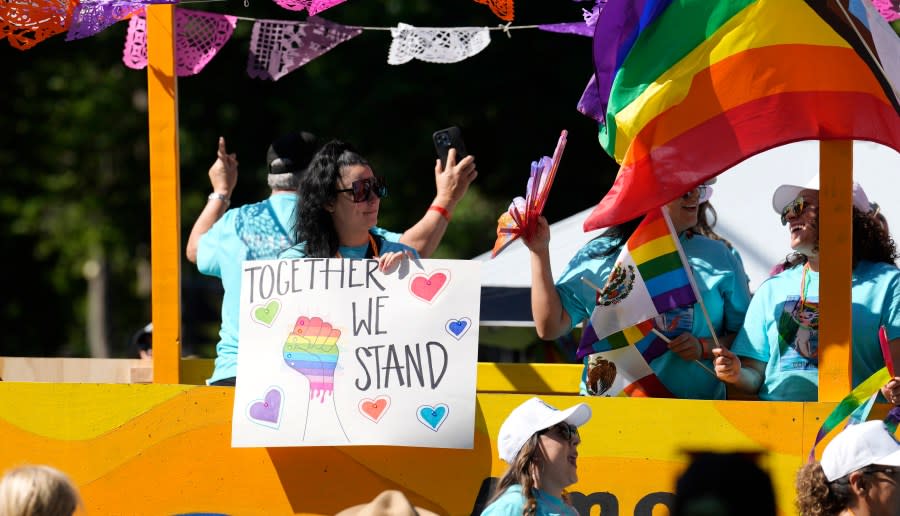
(784, 194)
(859, 446)
(531, 417)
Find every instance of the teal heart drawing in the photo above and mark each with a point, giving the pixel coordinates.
(433, 417)
(266, 314)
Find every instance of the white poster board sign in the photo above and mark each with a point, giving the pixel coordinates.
(334, 352)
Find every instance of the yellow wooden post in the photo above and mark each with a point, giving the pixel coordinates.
(165, 198)
(836, 252)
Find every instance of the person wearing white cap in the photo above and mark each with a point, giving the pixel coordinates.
(775, 355)
(859, 475)
(540, 444)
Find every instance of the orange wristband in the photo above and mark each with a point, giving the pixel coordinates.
(440, 209)
(705, 350)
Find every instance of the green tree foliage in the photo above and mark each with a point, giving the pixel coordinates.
(75, 181)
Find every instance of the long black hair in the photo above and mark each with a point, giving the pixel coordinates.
(317, 190)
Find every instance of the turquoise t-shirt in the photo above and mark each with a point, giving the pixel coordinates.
(251, 232)
(722, 283)
(784, 334)
(512, 501)
(390, 244)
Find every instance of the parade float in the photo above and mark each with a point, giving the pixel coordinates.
(167, 446)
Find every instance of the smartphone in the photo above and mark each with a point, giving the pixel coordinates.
(448, 138)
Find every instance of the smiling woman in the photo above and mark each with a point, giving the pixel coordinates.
(337, 210)
(540, 444)
(776, 354)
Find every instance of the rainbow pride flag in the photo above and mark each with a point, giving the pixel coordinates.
(640, 335)
(649, 278)
(687, 89)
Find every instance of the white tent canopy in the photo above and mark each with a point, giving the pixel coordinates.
(743, 198)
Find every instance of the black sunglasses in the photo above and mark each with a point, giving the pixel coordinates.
(793, 209)
(361, 189)
(568, 432)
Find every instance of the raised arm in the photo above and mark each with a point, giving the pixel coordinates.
(223, 177)
(550, 320)
(452, 183)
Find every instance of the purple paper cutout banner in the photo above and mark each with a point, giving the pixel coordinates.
(577, 28)
(279, 47)
(92, 17)
(198, 38)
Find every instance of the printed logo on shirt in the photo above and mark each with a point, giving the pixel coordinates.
(798, 334)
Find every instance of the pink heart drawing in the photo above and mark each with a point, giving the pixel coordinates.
(267, 411)
(374, 409)
(427, 288)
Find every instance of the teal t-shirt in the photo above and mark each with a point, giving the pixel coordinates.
(784, 334)
(512, 501)
(390, 243)
(723, 285)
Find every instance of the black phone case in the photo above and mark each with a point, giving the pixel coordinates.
(448, 138)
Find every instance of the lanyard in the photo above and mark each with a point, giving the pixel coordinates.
(373, 246)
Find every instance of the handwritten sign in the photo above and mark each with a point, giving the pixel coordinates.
(334, 352)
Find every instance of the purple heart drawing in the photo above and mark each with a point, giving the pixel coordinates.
(267, 412)
(457, 328)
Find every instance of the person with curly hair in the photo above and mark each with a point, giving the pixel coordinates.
(776, 353)
(337, 211)
(859, 475)
(540, 444)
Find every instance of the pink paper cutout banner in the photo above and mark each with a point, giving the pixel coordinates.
(92, 17)
(198, 38)
(277, 47)
(312, 6)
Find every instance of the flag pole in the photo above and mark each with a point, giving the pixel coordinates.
(690, 275)
(667, 340)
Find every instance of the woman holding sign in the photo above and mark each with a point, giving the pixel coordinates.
(664, 358)
(337, 211)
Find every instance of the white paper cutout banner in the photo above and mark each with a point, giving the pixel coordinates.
(436, 45)
(333, 352)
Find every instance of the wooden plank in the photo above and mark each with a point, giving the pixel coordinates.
(165, 196)
(836, 264)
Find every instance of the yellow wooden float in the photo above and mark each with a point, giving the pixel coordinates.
(164, 448)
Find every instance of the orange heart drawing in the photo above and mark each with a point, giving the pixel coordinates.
(374, 409)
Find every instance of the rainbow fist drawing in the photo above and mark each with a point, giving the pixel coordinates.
(311, 350)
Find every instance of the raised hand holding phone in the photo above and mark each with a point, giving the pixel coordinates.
(446, 139)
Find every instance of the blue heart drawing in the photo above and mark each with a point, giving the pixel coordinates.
(433, 417)
(458, 327)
